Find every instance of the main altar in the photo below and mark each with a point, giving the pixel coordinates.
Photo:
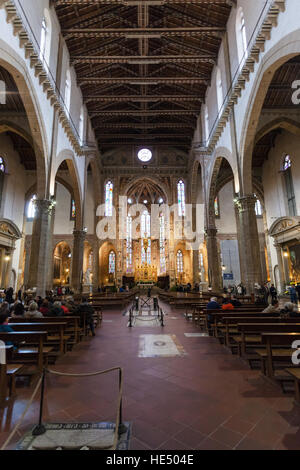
(145, 273)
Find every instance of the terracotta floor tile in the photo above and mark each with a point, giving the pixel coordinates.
(211, 444)
(238, 425)
(226, 436)
(173, 444)
(208, 399)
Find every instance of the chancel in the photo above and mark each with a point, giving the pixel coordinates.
(149, 225)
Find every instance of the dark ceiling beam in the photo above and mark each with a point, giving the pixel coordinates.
(159, 125)
(147, 60)
(156, 112)
(143, 2)
(140, 33)
(142, 80)
(140, 99)
(143, 136)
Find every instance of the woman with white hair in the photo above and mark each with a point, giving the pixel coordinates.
(33, 311)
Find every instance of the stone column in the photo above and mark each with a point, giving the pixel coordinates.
(249, 242)
(77, 260)
(40, 250)
(213, 258)
(240, 246)
(96, 265)
(8, 267)
(196, 267)
(172, 254)
(280, 267)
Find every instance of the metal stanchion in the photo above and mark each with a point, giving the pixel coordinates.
(122, 428)
(162, 317)
(40, 428)
(130, 318)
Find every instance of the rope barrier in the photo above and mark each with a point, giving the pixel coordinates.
(23, 416)
(119, 427)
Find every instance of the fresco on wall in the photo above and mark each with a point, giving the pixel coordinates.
(295, 261)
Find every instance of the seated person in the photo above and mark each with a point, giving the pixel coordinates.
(227, 305)
(44, 308)
(33, 311)
(56, 310)
(235, 302)
(4, 308)
(273, 307)
(87, 311)
(4, 327)
(65, 308)
(71, 306)
(213, 304)
(226, 298)
(290, 310)
(18, 311)
(39, 300)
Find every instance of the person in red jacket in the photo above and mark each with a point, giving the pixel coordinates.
(227, 305)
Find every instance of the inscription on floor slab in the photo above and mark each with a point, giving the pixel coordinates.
(160, 346)
(195, 335)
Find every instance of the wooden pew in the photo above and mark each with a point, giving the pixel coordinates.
(231, 323)
(72, 327)
(30, 337)
(251, 332)
(218, 317)
(295, 373)
(278, 346)
(8, 373)
(56, 330)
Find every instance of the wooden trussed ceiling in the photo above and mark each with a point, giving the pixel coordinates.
(143, 65)
(279, 96)
(280, 91)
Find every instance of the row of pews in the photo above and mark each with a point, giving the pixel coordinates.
(35, 343)
(117, 300)
(265, 340)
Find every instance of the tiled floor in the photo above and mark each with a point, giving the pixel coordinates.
(206, 399)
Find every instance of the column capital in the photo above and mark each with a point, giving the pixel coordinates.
(80, 234)
(44, 206)
(245, 203)
(211, 231)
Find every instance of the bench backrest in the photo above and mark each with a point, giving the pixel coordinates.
(269, 327)
(38, 326)
(20, 336)
(280, 338)
(63, 319)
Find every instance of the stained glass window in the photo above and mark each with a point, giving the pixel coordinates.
(201, 260)
(2, 165)
(289, 186)
(287, 163)
(146, 233)
(258, 208)
(73, 210)
(109, 199)
(68, 90)
(129, 244)
(112, 263)
(145, 225)
(31, 210)
(43, 39)
(179, 262)
(217, 207)
(162, 244)
(181, 198)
